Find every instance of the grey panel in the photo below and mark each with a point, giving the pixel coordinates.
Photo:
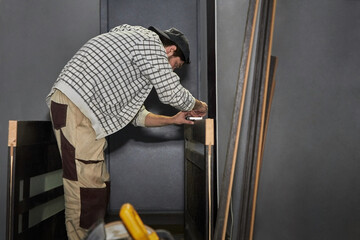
(147, 165)
(37, 39)
(310, 182)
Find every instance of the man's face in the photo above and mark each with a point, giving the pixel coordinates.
(175, 62)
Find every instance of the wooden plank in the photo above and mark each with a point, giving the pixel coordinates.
(209, 132)
(210, 183)
(11, 179)
(227, 181)
(12, 133)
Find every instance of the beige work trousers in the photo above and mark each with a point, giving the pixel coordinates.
(85, 177)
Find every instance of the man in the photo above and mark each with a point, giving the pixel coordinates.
(101, 90)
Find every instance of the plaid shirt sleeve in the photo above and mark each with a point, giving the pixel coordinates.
(150, 57)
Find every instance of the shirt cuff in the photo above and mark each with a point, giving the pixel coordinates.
(139, 120)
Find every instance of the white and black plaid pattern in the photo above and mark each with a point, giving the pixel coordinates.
(113, 74)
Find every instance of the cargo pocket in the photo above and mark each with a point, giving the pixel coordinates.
(58, 114)
(68, 158)
(93, 205)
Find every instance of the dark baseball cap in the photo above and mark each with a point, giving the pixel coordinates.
(176, 37)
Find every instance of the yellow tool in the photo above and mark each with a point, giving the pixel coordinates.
(134, 224)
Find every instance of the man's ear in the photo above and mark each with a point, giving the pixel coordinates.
(170, 50)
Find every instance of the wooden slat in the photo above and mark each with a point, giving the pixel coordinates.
(12, 133)
(210, 190)
(10, 223)
(209, 132)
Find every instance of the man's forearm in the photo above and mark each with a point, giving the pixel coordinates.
(154, 120)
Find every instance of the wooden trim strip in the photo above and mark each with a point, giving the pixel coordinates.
(12, 133)
(209, 189)
(209, 132)
(11, 178)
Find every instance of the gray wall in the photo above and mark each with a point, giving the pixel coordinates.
(309, 185)
(310, 181)
(37, 39)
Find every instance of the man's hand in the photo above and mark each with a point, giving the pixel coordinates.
(180, 118)
(155, 120)
(200, 109)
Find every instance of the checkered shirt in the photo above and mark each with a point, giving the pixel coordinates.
(110, 77)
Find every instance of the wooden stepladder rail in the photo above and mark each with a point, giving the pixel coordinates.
(199, 180)
(35, 202)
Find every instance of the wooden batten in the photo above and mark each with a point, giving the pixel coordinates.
(12, 133)
(209, 132)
